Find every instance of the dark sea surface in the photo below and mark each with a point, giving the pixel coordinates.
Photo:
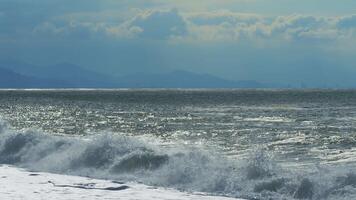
(254, 144)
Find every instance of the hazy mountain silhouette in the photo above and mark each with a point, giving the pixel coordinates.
(66, 75)
(73, 75)
(183, 79)
(10, 79)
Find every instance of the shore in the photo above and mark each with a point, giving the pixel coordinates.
(17, 183)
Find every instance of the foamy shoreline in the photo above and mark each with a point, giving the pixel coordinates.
(17, 183)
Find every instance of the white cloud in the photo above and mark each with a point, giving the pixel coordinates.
(153, 24)
(229, 26)
(73, 30)
(160, 24)
(222, 16)
(215, 26)
(348, 22)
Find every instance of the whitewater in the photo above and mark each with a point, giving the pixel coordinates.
(177, 144)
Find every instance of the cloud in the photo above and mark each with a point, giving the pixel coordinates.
(86, 30)
(160, 24)
(301, 27)
(112, 20)
(71, 30)
(223, 16)
(152, 24)
(228, 26)
(348, 22)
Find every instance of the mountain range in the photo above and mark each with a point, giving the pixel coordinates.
(15, 74)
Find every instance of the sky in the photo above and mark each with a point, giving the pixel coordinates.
(282, 41)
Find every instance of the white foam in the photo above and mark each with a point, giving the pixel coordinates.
(118, 157)
(269, 119)
(19, 184)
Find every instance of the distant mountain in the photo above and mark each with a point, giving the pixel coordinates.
(10, 79)
(78, 76)
(183, 79)
(73, 75)
(66, 75)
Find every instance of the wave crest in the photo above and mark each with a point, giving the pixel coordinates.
(118, 157)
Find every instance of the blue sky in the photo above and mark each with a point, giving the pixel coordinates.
(286, 41)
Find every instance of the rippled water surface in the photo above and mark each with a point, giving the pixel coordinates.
(298, 128)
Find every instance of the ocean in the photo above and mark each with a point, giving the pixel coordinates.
(250, 144)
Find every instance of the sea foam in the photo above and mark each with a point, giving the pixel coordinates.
(117, 157)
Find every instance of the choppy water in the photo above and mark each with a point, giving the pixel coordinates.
(256, 144)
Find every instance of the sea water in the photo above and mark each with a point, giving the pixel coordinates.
(252, 144)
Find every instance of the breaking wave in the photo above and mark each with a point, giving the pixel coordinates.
(116, 157)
